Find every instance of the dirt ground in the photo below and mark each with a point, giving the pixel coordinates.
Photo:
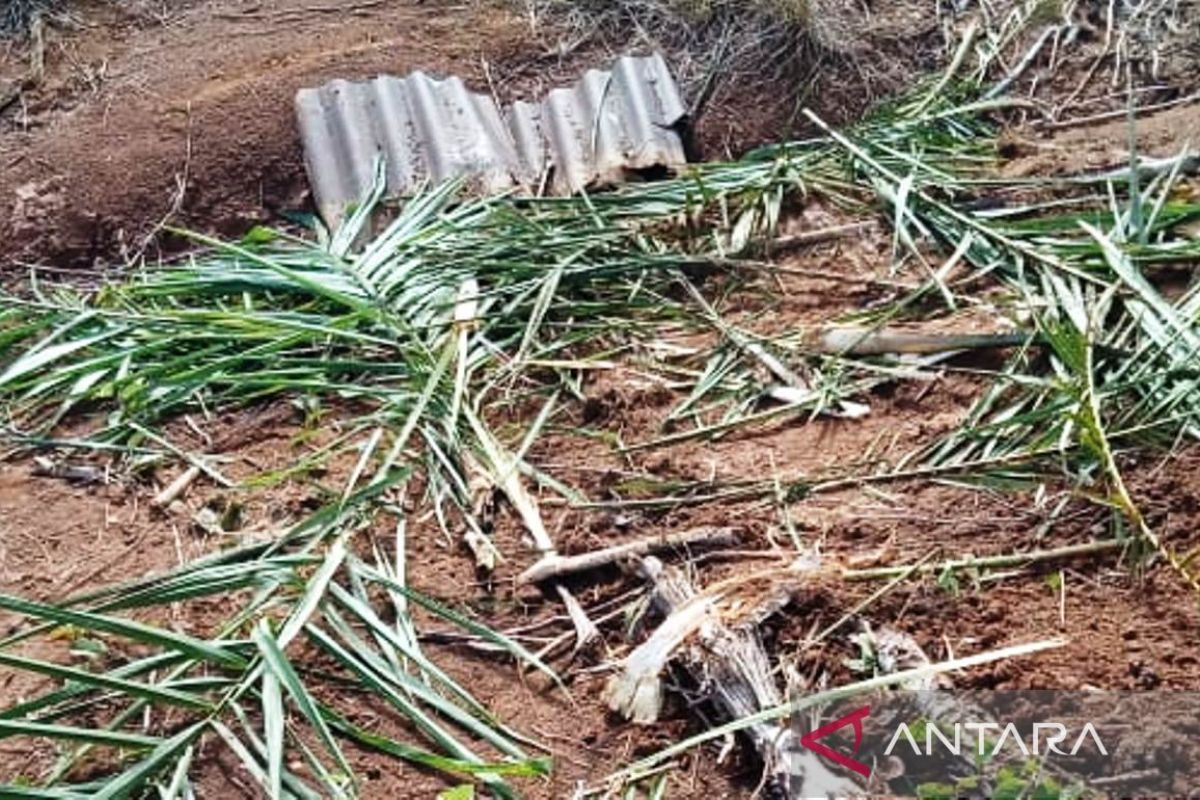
(1126, 630)
(181, 113)
(184, 109)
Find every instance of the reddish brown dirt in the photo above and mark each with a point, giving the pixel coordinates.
(89, 165)
(1104, 145)
(181, 112)
(189, 116)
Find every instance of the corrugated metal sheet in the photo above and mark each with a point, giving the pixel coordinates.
(595, 132)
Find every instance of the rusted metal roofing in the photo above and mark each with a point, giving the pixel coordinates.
(607, 125)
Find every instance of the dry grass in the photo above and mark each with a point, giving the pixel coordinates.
(17, 15)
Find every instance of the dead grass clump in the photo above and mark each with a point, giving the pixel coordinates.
(16, 16)
(837, 56)
(790, 11)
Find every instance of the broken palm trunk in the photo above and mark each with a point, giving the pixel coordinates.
(713, 633)
(718, 631)
(611, 126)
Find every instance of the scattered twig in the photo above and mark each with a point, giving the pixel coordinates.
(196, 461)
(182, 179)
(987, 562)
(586, 631)
(819, 236)
(37, 49)
(176, 487)
(481, 491)
(960, 55)
(72, 473)
(295, 15)
(556, 566)
(1105, 116)
(1030, 56)
(860, 606)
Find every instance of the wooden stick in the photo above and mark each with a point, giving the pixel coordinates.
(176, 487)
(586, 631)
(1024, 64)
(73, 473)
(201, 462)
(1006, 560)
(857, 341)
(556, 566)
(1118, 114)
(819, 236)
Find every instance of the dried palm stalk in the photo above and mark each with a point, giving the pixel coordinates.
(716, 632)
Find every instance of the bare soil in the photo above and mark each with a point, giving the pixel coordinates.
(186, 117)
